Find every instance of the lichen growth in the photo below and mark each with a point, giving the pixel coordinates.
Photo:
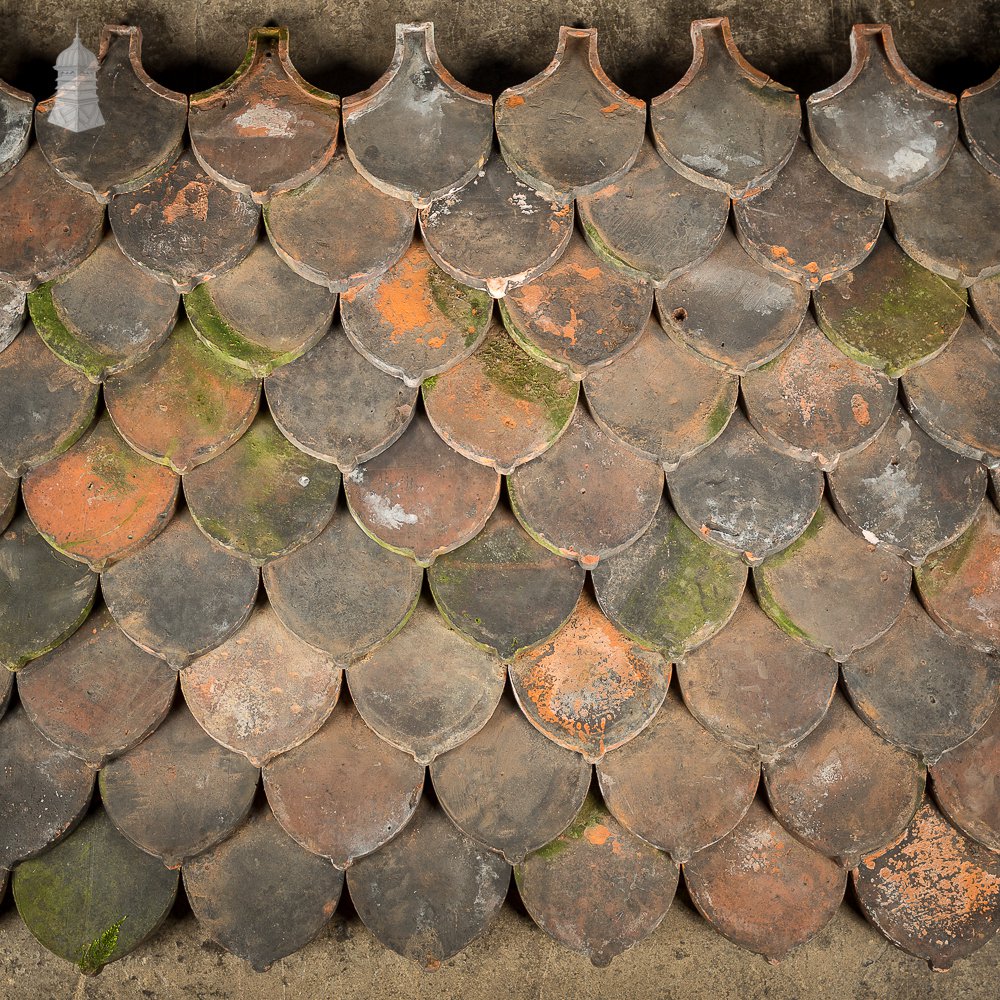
(467, 308)
(225, 340)
(61, 340)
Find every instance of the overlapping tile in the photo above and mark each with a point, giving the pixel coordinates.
(12, 312)
(9, 492)
(979, 109)
(16, 111)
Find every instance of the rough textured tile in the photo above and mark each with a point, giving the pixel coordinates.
(745, 496)
(143, 124)
(754, 686)
(343, 592)
(878, 128)
(415, 320)
(615, 493)
(844, 790)
(954, 397)
(676, 785)
(50, 227)
(510, 788)
(94, 897)
(259, 894)
(44, 597)
(180, 596)
(569, 130)
(500, 407)
(338, 230)
(420, 498)
(344, 792)
(985, 296)
(937, 229)
(815, 403)
(590, 688)
(496, 233)
(45, 405)
(264, 130)
(762, 889)
(178, 792)
(979, 109)
(654, 221)
(725, 124)
(263, 691)
(15, 124)
(906, 492)
(97, 695)
(183, 405)
(504, 591)
(431, 891)
(960, 585)
(889, 312)
(99, 500)
(12, 310)
(427, 690)
(933, 892)
(6, 690)
(44, 790)
(261, 314)
(597, 889)
(184, 226)
(581, 314)
(262, 497)
(9, 489)
(417, 132)
(730, 310)
(808, 225)
(831, 589)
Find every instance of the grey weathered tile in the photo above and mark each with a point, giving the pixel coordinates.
(12, 312)
(16, 109)
(979, 109)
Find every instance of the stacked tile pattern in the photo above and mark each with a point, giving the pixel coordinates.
(418, 490)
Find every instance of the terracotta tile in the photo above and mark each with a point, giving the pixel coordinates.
(500, 407)
(815, 403)
(99, 500)
(732, 311)
(261, 314)
(44, 790)
(427, 690)
(597, 889)
(16, 108)
(933, 892)
(180, 596)
(762, 889)
(9, 491)
(831, 589)
(510, 788)
(661, 399)
(94, 885)
(808, 225)
(614, 491)
(569, 130)
(143, 124)
(183, 405)
(12, 311)
(725, 124)
(889, 312)
(338, 230)
(184, 226)
(496, 232)
(344, 792)
(259, 894)
(979, 109)
(178, 793)
(105, 315)
(415, 320)
(431, 891)
(264, 130)
(97, 695)
(590, 688)
(754, 686)
(503, 590)
(676, 785)
(262, 497)
(906, 492)
(263, 691)
(581, 314)
(985, 296)
(878, 128)
(844, 790)
(417, 132)
(44, 597)
(343, 592)
(420, 498)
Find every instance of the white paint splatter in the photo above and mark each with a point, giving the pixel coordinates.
(393, 517)
(270, 121)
